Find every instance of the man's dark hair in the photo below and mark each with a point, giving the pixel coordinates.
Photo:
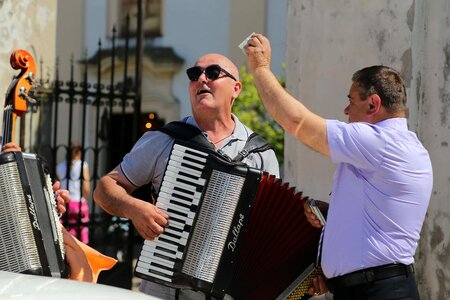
(386, 83)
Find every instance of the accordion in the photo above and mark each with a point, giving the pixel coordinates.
(30, 232)
(234, 231)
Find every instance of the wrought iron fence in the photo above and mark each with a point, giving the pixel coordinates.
(102, 113)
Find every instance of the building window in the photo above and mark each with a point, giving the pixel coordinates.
(151, 13)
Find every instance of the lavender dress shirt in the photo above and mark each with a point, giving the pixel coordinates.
(381, 190)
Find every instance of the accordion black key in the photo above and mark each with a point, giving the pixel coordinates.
(30, 232)
(233, 230)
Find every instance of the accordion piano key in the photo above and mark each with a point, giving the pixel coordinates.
(179, 210)
(180, 193)
(169, 251)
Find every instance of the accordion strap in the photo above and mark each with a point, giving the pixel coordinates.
(186, 132)
(189, 133)
(255, 143)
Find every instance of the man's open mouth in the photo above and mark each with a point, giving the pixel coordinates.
(199, 92)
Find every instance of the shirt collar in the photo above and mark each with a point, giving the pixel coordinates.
(396, 123)
(239, 133)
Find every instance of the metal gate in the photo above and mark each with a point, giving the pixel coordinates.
(102, 114)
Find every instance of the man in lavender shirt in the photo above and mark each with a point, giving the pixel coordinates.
(382, 184)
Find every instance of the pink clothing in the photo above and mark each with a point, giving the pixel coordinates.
(73, 211)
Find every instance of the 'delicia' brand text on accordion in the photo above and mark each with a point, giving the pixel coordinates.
(234, 231)
(30, 232)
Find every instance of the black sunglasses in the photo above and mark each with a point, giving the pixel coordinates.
(212, 72)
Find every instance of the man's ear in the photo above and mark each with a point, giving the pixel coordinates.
(374, 103)
(236, 91)
(237, 88)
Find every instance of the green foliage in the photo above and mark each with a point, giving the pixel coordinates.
(249, 109)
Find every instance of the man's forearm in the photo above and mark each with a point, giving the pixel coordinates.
(276, 99)
(291, 114)
(113, 198)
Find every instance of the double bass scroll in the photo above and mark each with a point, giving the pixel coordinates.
(17, 95)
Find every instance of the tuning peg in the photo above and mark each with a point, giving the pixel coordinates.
(31, 100)
(31, 77)
(23, 94)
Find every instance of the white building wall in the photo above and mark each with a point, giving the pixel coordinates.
(70, 42)
(97, 25)
(327, 42)
(193, 28)
(276, 31)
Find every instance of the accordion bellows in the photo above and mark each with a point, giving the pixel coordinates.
(30, 232)
(233, 230)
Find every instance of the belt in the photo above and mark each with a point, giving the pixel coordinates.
(369, 275)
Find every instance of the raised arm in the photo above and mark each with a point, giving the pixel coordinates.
(113, 195)
(85, 182)
(290, 113)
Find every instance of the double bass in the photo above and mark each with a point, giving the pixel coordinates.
(33, 238)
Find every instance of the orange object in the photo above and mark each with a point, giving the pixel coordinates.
(85, 262)
(17, 94)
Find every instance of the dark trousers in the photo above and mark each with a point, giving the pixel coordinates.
(398, 287)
